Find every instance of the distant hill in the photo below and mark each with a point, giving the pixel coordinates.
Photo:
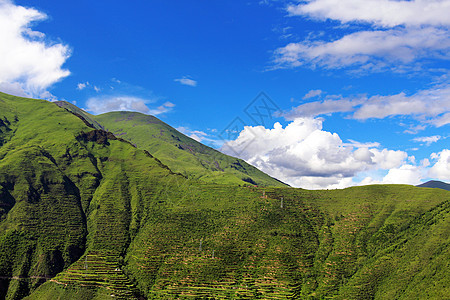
(436, 184)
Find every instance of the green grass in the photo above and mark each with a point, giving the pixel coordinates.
(84, 215)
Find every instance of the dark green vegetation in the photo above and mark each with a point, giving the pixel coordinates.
(436, 185)
(86, 215)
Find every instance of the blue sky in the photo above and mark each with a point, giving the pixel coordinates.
(362, 87)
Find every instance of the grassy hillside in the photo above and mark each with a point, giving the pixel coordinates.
(85, 215)
(181, 153)
(90, 121)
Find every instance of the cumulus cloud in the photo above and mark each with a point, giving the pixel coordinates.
(304, 155)
(29, 63)
(441, 169)
(405, 174)
(187, 81)
(430, 106)
(99, 105)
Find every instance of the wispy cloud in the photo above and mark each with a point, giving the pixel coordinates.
(210, 139)
(82, 85)
(186, 81)
(428, 140)
(398, 35)
(368, 50)
(28, 60)
(197, 135)
(312, 94)
(103, 104)
(164, 108)
(430, 106)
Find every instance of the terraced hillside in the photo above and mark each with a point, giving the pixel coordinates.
(85, 215)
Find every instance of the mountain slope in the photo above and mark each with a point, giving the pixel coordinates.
(85, 215)
(435, 184)
(59, 183)
(181, 153)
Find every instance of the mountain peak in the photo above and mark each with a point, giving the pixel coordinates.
(435, 184)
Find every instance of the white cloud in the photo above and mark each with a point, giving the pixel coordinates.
(99, 105)
(426, 103)
(385, 13)
(82, 85)
(406, 174)
(327, 106)
(425, 162)
(427, 139)
(312, 94)
(166, 107)
(187, 81)
(442, 120)
(368, 50)
(207, 139)
(13, 88)
(429, 106)
(441, 169)
(197, 135)
(27, 60)
(304, 155)
(362, 145)
(398, 35)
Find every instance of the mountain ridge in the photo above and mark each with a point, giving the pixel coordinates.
(180, 152)
(435, 184)
(85, 215)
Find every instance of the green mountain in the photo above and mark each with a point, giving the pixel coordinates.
(87, 215)
(436, 185)
(181, 153)
(83, 115)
